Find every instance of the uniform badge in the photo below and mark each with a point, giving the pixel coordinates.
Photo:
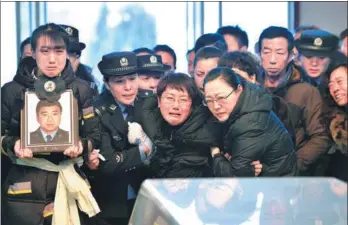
(318, 42)
(153, 59)
(113, 107)
(124, 61)
(117, 138)
(119, 157)
(69, 30)
(97, 111)
(103, 108)
(49, 86)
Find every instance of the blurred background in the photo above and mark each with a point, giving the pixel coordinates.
(114, 26)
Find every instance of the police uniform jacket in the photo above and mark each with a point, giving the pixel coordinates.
(123, 164)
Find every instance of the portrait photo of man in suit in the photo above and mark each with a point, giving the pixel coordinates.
(49, 115)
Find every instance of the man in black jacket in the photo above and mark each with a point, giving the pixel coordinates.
(49, 44)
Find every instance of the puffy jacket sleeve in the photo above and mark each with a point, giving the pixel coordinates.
(245, 143)
(9, 127)
(90, 127)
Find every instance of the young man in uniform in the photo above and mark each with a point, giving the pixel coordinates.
(151, 69)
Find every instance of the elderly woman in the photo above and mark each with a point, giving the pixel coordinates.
(251, 130)
(337, 117)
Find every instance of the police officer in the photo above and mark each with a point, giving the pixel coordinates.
(124, 147)
(315, 49)
(82, 71)
(151, 69)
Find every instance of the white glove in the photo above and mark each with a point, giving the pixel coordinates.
(136, 135)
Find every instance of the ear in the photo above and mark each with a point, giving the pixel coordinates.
(244, 48)
(159, 102)
(253, 78)
(107, 85)
(291, 56)
(239, 88)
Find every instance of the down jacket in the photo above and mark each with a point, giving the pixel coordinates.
(253, 132)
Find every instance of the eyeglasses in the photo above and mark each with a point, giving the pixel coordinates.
(220, 100)
(169, 101)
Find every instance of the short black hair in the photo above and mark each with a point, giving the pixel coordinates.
(226, 74)
(179, 81)
(166, 48)
(211, 39)
(23, 44)
(343, 34)
(207, 52)
(53, 31)
(45, 103)
(241, 60)
(276, 32)
(237, 32)
(143, 49)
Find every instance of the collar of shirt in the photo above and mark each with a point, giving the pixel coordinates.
(123, 107)
(44, 135)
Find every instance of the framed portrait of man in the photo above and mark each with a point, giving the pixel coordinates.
(49, 125)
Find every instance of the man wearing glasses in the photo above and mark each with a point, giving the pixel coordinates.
(119, 176)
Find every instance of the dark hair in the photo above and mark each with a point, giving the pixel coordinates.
(166, 48)
(241, 60)
(45, 103)
(23, 44)
(275, 32)
(145, 50)
(237, 32)
(189, 51)
(55, 32)
(211, 39)
(181, 82)
(207, 52)
(343, 34)
(302, 28)
(224, 73)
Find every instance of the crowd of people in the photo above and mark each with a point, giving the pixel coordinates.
(279, 112)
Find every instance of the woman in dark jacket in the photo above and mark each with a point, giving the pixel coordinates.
(29, 192)
(251, 130)
(337, 104)
(176, 122)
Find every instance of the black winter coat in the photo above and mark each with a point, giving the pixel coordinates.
(28, 192)
(253, 132)
(84, 72)
(181, 151)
